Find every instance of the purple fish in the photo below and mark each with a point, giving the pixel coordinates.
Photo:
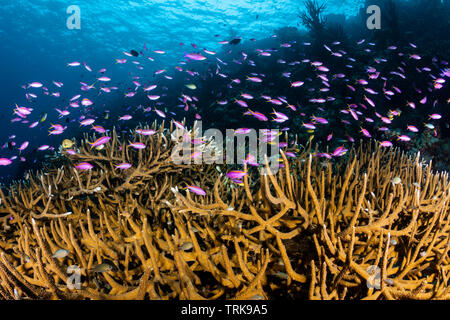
(137, 145)
(197, 190)
(24, 145)
(195, 56)
(99, 141)
(5, 161)
(236, 174)
(123, 166)
(84, 166)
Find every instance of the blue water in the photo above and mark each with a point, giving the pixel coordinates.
(37, 45)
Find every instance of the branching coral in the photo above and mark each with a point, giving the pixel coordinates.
(312, 17)
(375, 227)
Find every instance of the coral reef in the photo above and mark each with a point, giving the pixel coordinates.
(372, 225)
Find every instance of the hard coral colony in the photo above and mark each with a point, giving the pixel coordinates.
(355, 211)
(316, 229)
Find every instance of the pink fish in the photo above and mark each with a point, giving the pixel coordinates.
(197, 190)
(386, 144)
(254, 79)
(24, 145)
(71, 152)
(84, 166)
(275, 101)
(98, 129)
(86, 102)
(297, 84)
(251, 160)
(5, 161)
(323, 68)
(126, 117)
(241, 103)
(257, 115)
(62, 113)
(246, 96)
(411, 104)
(153, 97)
(280, 117)
(366, 132)
(43, 147)
(404, 138)
(123, 166)
(100, 141)
(137, 145)
(353, 113)
(209, 52)
(87, 122)
(35, 85)
(160, 113)
(309, 126)
(435, 116)
(195, 56)
(150, 87)
(87, 67)
(369, 101)
(339, 151)
(319, 120)
(242, 131)
(236, 174)
(179, 125)
(146, 132)
(323, 155)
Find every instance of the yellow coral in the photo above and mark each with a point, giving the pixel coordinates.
(315, 229)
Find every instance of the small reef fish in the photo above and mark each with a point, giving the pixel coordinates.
(197, 190)
(84, 166)
(100, 141)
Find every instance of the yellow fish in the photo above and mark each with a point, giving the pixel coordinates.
(67, 144)
(191, 86)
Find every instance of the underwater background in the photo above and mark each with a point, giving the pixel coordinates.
(37, 47)
(98, 96)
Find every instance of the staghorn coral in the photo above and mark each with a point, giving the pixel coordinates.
(315, 229)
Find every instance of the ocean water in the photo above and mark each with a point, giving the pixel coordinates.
(318, 79)
(37, 46)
